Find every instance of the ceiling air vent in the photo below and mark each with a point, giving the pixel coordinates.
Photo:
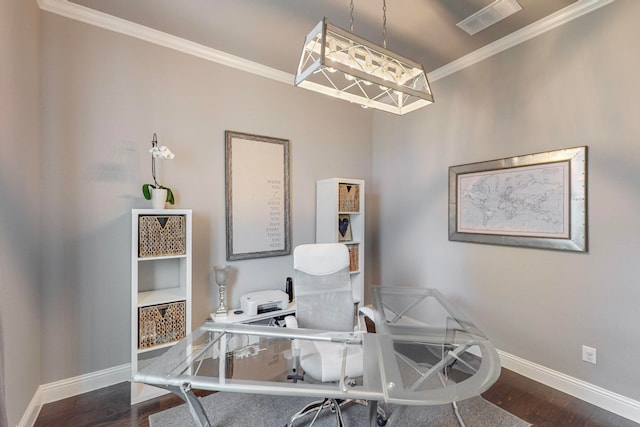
(495, 12)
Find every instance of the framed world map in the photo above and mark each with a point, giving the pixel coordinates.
(536, 200)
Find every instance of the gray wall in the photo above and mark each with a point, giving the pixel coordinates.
(575, 85)
(104, 95)
(64, 285)
(20, 181)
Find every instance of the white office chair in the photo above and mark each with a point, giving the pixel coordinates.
(324, 300)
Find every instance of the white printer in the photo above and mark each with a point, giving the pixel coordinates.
(259, 302)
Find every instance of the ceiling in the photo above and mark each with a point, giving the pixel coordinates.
(271, 32)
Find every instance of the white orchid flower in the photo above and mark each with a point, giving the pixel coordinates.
(162, 153)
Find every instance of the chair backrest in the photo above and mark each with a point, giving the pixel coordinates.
(324, 299)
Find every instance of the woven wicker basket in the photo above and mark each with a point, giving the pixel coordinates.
(353, 257)
(162, 235)
(160, 324)
(348, 198)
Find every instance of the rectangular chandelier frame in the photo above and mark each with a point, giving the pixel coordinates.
(341, 64)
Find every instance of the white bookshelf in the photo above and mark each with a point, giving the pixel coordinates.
(330, 210)
(157, 280)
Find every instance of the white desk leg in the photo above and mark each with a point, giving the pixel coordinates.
(222, 359)
(397, 411)
(195, 407)
(373, 413)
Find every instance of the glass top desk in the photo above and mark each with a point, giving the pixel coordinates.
(424, 352)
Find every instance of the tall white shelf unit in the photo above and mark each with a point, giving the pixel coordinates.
(338, 198)
(157, 281)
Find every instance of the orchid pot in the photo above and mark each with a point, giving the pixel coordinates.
(158, 194)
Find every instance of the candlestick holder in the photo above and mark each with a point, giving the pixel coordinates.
(221, 275)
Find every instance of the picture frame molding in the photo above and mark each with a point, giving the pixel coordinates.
(575, 157)
(232, 224)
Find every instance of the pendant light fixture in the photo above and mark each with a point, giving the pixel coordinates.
(339, 63)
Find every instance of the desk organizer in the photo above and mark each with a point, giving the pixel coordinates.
(160, 324)
(162, 235)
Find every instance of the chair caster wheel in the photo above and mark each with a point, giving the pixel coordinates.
(381, 421)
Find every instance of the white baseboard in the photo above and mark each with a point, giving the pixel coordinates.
(85, 383)
(605, 399)
(598, 396)
(69, 387)
(33, 410)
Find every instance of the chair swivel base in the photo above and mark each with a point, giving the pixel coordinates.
(334, 405)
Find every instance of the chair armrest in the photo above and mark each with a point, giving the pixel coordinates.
(367, 311)
(291, 322)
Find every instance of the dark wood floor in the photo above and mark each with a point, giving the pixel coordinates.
(533, 402)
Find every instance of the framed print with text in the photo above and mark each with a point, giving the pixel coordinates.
(257, 196)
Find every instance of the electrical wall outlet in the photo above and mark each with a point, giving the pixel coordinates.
(589, 354)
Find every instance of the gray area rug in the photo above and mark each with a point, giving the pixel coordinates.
(256, 410)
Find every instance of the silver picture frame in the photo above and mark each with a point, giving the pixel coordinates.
(257, 188)
(535, 200)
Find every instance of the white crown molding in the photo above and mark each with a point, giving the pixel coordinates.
(598, 396)
(541, 26)
(110, 22)
(100, 19)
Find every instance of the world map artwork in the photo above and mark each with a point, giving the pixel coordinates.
(522, 201)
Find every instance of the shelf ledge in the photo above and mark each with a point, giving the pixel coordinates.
(161, 296)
